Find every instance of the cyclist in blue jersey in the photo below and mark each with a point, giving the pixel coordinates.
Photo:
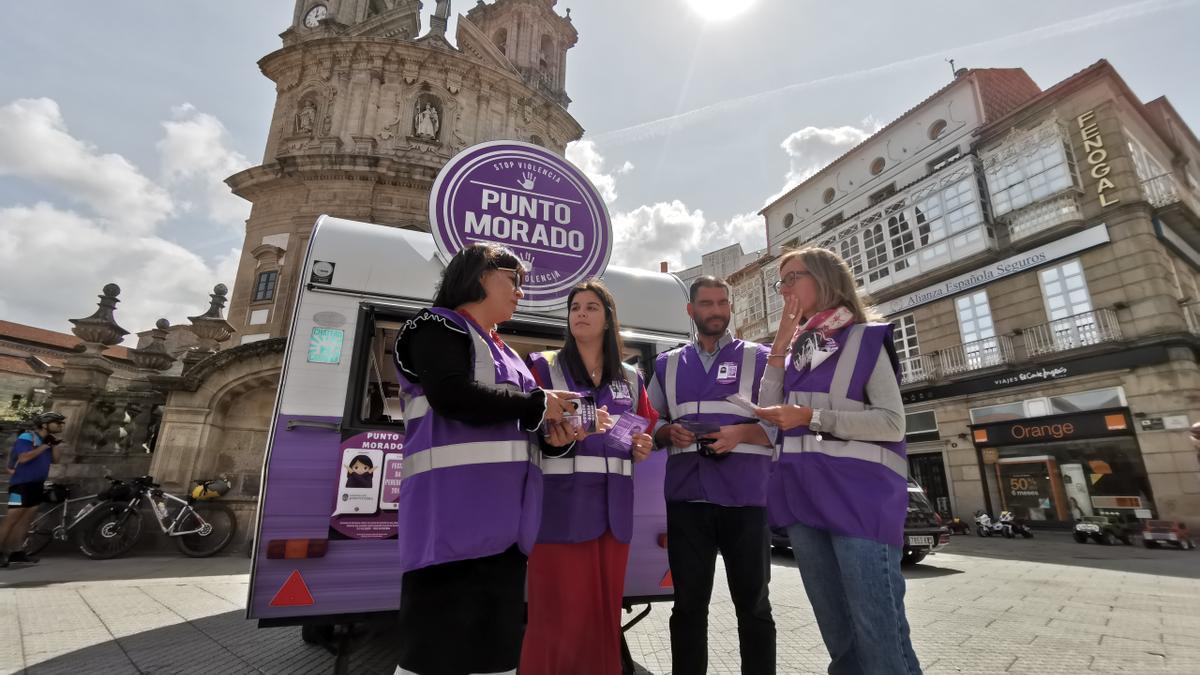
(29, 467)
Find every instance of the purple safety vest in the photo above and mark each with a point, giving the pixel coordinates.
(740, 479)
(467, 491)
(853, 488)
(592, 492)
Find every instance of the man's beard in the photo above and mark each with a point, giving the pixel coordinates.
(702, 327)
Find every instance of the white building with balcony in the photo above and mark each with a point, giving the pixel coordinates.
(1038, 254)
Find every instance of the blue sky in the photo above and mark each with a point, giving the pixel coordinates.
(119, 119)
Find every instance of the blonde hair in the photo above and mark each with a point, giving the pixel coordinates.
(835, 282)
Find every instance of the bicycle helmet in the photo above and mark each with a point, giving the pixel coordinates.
(47, 417)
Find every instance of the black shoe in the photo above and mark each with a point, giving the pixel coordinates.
(22, 557)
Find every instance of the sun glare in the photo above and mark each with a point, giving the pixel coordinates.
(719, 10)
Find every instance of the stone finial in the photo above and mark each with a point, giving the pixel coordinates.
(211, 327)
(154, 356)
(100, 330)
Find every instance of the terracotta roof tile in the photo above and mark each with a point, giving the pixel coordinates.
(47, 338)
(19, 366)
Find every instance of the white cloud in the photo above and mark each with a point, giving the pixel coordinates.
(197, 158)
(813, 148)
(671, 232)
(35, 145)
(584, 155)
(58, 261)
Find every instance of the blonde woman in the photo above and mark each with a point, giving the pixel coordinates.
(839, 487)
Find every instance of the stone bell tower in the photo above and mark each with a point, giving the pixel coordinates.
(367, 111)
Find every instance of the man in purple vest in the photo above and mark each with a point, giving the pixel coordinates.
(716, 483)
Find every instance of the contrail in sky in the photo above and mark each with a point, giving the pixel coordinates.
(666, 125)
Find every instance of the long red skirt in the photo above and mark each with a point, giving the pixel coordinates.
(575, 608)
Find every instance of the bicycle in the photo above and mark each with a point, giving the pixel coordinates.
(44, 529)
(200, 528)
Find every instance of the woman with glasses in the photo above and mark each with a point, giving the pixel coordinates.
(577, 568)
(839, 487)
(470, 501)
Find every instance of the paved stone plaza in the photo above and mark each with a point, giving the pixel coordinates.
(994, 606)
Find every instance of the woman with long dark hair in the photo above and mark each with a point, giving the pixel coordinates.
(470, 501)
(832, 387)
(577, 568)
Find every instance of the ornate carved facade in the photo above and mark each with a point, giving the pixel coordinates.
(367, 113)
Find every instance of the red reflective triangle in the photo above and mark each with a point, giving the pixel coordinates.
(293, 592)
(667, 581)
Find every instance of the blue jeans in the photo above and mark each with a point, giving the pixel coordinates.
(857, 594)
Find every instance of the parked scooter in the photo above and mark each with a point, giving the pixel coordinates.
(1007, 526)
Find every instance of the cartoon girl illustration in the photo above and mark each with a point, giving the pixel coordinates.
(360, 472)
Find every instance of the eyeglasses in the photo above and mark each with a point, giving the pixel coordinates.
(516, 275)
(791, 278)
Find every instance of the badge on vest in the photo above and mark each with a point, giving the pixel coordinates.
(619, 390)
(727, 372)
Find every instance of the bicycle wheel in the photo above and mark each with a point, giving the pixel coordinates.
(114, 531)
(216, 526)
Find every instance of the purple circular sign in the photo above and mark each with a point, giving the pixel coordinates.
(530, 200)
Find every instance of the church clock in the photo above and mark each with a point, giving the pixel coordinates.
(314, 16)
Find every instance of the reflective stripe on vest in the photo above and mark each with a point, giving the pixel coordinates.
(416, 407)
(861, 450)
(564, 466)
(745, 388)
(464, 454)
(838, 399)
(839, 387)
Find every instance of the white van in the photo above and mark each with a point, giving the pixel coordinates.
(325, 546)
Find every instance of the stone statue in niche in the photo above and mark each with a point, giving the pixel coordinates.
(306, 118)
(426, 120)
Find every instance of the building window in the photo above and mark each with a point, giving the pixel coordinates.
(1065, 290)
(852, 253)
(1097, 399)
(883, 194)
(500, 39)
(1003, 412)
(904, 334)
(980, 347)
(15, 402)
(877, 166)
(943, 160)
(827, 197)
(901, 236)
(264, 288)
(921, 423)
(833, 221)
(937, 129)
(1028, 168)
(875, 245)
(770, 275)
(788, 219)
(1155, 181)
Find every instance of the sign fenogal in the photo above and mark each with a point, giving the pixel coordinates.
(534, 202)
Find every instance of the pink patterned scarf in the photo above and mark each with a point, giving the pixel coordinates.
(817, 335)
